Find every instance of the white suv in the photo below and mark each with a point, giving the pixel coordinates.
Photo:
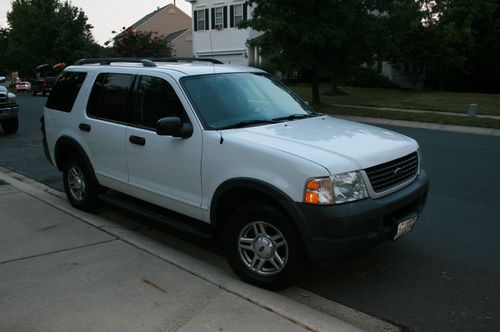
(232, 147)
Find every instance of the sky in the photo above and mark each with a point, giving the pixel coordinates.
(109, 15)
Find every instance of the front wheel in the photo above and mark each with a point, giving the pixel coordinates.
(263, 246)
(10, 126)
(80, 187)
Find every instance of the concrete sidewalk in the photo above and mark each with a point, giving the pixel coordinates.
(62, 270)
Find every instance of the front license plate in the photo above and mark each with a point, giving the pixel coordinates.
(405, 226)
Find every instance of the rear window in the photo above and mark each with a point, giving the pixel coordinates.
(109, 99)
(63, 95)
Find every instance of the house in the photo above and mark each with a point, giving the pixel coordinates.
(171, 22)
(216, 35)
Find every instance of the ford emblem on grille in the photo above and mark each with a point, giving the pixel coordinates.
(398, 171)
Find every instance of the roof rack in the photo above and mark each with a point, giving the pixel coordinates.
(150, 62)
(214, 61)
(107, 61)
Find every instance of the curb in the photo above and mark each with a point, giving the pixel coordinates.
(424, 125)
(417, 111)
(313, 313)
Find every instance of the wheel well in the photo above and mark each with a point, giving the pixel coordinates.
(67, 146)
(233, 198)
(63, 151)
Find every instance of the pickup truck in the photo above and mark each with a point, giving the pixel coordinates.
(8, 111)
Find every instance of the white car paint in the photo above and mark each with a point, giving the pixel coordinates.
(183, 174)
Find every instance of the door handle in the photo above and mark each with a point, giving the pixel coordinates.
(84, 127)
(137, 140)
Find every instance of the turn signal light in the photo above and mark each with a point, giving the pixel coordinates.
(318, 191)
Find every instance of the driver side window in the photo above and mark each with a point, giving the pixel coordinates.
(156, 99)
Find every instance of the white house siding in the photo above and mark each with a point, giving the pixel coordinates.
(228, 44)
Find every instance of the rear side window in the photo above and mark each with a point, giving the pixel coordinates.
(156, 99)
(63, 95)
(110, 96)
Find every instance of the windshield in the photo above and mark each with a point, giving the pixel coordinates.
(239, 99)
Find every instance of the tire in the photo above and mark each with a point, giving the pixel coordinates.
(79, 184)
(257, 227)
(10, 126)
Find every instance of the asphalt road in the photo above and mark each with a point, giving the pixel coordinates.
(443, 276)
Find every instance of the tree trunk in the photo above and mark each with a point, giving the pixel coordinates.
(315, 87)
(334, 83)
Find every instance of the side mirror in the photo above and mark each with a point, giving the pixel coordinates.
(173, 126)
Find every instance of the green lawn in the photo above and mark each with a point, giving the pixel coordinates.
(419, 100)
(420, 117)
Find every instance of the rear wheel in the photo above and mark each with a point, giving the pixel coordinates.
(80, 187)
(10, 126)
(263, 247)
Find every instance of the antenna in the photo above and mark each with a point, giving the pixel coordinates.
(215, 82)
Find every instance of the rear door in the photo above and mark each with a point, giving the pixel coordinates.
(163, 170)
(104, 127)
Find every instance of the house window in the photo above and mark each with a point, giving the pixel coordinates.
(219, 16)
(238, 14)
(200, 20)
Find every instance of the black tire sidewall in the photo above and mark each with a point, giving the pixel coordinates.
(88, 203)
(10, 126)
(256, 211)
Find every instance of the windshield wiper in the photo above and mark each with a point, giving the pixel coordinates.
(246, 123)
(295, 117)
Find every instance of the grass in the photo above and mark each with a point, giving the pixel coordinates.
(489, 104)
(420, 117)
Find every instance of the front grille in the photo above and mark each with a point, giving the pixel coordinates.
(3, 98)
(391, 174)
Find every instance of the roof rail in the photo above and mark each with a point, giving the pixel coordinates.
(214, 61)
(107, 61)
(146, 62)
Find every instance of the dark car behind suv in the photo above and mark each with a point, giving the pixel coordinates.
(43, 85)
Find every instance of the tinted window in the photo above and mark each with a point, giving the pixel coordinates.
(156, 99)
(63, 95)
(110, 96)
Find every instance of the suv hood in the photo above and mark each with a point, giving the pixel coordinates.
(336, 144)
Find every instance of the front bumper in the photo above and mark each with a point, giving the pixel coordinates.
(8, 111)
(332, 232)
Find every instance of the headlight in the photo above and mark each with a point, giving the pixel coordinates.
(11, 97)
(319, 191)
(349, 187)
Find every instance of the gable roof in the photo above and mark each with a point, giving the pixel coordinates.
(174, 35)
(147, 17)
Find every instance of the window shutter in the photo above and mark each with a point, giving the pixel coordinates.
(195, 19)
(213, 18)
(224, 10)
(231, 16)
(245, 12)
(206, 19)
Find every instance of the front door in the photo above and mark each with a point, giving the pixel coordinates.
(162, 169)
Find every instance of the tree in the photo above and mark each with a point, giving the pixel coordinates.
(46, 31)
(130, 43)
(320, 36)
(4, 40)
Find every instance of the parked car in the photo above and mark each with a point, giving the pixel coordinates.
(23, 86)
(231, 147)
(43, 85)
(8, 111)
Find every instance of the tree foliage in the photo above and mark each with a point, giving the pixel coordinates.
(130, 43)
(46, 31)
(455, 41)
(324, 37)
